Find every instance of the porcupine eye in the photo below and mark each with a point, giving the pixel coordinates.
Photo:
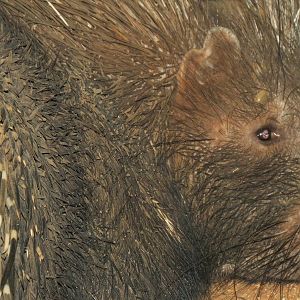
(267, 134)
(264, 134)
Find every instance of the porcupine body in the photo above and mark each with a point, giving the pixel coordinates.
(118, 208)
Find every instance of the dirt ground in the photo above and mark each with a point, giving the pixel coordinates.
(242, 291)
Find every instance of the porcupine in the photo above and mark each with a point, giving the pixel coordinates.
(188, 158)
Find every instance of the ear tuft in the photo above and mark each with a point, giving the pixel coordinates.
(220, 39)
(205, 79)
(210, 66)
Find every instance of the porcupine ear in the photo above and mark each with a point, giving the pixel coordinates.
(203, 74)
